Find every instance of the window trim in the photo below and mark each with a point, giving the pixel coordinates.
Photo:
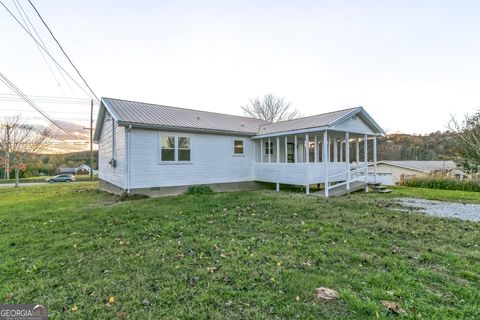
(174, 148)
(175, 160)
(233, 147)
(177, 148)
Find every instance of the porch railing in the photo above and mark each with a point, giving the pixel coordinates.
(351, 176)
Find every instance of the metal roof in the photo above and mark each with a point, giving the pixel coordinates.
(320, 120)
(153, 115)
(146, 115)
(424, 166)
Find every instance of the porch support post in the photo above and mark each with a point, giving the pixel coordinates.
(335, 150)
(347, 157)
(357, 156)
(269, 150)
(307, 189)
(261, 150)
(374, 159)
(341, 150)
(277, 187)
(365, 155)
(286, 149)
(315, 150)
(278, 149)
(295, 155)
(326, 159)
(307, 149)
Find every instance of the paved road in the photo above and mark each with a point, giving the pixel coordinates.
(25, 184)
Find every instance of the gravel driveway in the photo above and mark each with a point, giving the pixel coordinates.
(444, 209)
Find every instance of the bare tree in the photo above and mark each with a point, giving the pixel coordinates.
(19, 140)
(467, 133)
(270, 108)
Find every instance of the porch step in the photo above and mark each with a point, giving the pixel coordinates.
(377, 187)
(340, 190)
(384, 191)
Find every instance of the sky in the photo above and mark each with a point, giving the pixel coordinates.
(410, 64)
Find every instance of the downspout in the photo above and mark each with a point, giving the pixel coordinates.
(128, 158)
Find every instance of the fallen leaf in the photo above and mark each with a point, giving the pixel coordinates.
(393, 307)
(111, 300)
(279, 263)
(307, 263)
(212, 269)
(325, 294)
(74, 308)
(297, 298)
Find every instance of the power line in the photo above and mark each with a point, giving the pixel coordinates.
(40, 38)
(61, 48)
(50, 112)
(16, 99)
(47, 97)
(44, 49)
(15, 89)
(19, 7)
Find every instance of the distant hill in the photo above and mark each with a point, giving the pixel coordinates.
(434, 146)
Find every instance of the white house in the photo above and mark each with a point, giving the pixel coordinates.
(159, 150)
(393, 172)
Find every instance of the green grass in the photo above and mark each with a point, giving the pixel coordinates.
(71, 246)
(83, 177)
(436, 194)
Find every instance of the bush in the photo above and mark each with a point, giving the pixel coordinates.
(442, 182)
(201, 189)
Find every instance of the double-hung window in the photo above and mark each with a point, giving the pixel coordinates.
(175, 148)
(238, 147)
(183, 149)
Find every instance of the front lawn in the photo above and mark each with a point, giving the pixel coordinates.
(436, 194)
(232, 255)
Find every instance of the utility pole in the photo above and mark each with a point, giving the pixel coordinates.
(7, 153)
(91, 139)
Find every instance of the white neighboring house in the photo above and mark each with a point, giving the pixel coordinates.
(393, 172)
(158, 150)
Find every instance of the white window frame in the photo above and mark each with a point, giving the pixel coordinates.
(233, 147)
(175, 149)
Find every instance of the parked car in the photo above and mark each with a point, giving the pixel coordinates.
(62, 178)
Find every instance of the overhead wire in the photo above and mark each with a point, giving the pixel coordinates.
(40, 38)
(15, 89)
(45, 50)
(61, 48)
(18, 6)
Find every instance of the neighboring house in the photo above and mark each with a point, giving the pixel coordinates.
(82, 169)
(158, 150)
(393, 172)
(66, 170)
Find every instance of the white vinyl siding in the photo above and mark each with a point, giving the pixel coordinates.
(111, 145)
(211, 160)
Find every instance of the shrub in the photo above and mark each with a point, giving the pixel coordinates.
(442, 182)
(200, 189)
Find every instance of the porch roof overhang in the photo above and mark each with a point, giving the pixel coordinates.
(330, 124)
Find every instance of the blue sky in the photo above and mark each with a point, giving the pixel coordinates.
(409, 63)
